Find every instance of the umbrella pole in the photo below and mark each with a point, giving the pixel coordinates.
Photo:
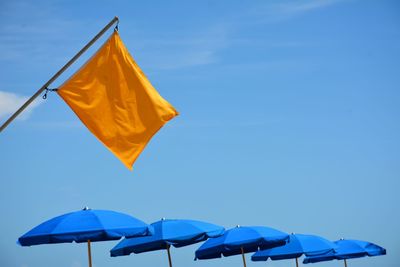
(244, 259)
(89, 253)
(169, 256)
(345, 263)
(297, 262)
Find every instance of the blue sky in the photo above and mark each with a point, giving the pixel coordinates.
(289, 118)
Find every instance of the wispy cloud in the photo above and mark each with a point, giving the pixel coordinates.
(35, 40)
(299, 7)
(284, 10)
(204, 47)
(58, 125)
(10, 102)
(181, 51)
(76, 264)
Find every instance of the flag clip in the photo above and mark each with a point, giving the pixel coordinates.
(47, 90)
(116, 27)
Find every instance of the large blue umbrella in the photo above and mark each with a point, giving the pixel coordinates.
(348, 249)
(167, 233)
(298, 245)
(85, 226)
(241, 240)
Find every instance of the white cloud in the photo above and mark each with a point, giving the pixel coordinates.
(10, 102)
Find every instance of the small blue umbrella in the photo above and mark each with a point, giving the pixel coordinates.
(348, 249)
(298, 245)
(241, 240)
(85, 226)
(167, 233)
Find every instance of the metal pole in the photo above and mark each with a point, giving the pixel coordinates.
(243, 257)
(345, 263)
(52, 79)
(89, 253)
(297, 262)
(169, 256)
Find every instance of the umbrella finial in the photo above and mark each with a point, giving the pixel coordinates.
(163, 219)
(237, 226)
(86, 208)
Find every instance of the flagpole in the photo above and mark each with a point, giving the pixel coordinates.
(52, 79)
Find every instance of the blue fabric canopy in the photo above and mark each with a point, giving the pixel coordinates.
(81, 226)
(177, 233)
(241, 239)
(298, 245)
(348, 249)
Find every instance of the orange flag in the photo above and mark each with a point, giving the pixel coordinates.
(114, 99)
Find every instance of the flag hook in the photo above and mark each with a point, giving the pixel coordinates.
(47, 90)
(116, 26)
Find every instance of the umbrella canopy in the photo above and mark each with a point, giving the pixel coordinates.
(85, 226)
(177, 233)
(298, 245)
(348, 249)
(240, 240)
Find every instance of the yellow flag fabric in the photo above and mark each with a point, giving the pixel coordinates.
(111, 95)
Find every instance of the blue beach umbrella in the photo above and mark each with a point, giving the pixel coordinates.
(241, 240)
(85, 226)
(167, 233)
(348, 249)
(298, 245)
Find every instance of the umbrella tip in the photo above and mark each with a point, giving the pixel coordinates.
(86, 208)
(163, 219)
(341, 238)
(237, 226)
(292, 233)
